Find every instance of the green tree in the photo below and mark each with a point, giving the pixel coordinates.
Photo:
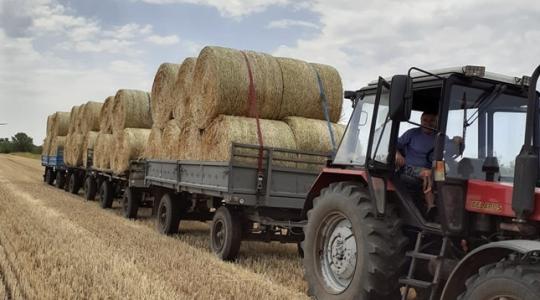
(5, 145)
(21, 142)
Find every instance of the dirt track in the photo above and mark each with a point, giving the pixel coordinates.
(54, 244)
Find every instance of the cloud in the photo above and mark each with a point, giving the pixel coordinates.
(228, 8)
(163, 40)
(287, 23)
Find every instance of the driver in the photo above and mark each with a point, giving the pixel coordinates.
(413, 155)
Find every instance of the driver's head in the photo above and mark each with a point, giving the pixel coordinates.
(428, 119)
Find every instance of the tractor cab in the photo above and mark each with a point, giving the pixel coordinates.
(480, 129)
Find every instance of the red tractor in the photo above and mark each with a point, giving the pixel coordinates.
(368, 235)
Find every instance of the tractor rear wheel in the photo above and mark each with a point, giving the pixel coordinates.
(90, 188)
(60, 179)
(74, 183)
(504, 280)
(106, 194)
(131, 201)
(349, 253)
(226, 233)
(168, 214)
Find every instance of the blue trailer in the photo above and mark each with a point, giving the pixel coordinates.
(54, 167)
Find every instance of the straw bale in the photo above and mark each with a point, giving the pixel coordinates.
(182, 92)
(57, 142)
(312, 135)
(131, 109)
(89, 141)
(224, 130)
(105, 115)
(49, 124)
(78, 119)
(90, 116)
(221, 84)
(301, 94)
(102, 151)
(170, 139)
(162, 100)
(73, 150)
(60, 123)
(190, 144)
(129, 145)
(46, 146)
(333, 88)
(154, 145)
(74, 114)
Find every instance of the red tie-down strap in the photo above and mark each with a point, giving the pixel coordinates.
(253, 112)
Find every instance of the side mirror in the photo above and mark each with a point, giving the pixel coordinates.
(400, 102)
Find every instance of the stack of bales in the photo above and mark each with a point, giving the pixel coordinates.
(57, 129)
(211, 107)
(125, 122)
(82, 133)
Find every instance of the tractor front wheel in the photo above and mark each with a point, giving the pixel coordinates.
(504, 280)
(349, 252)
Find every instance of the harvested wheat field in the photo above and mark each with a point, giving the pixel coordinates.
(56, 245)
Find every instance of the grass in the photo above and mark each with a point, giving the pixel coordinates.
(27, 155)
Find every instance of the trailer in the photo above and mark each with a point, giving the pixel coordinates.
(251, 197)
(54, 166)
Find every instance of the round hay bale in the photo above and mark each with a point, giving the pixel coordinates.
(73, 150)
(73, 115)
(154, 145)
(162, 100)
(170, 139)
(333, 88)
(102, 151)
(225, 130)
(49, 124)
(56, 143)
(60, 123)
(90, 116)
(78, 119)
(190, 146)
(301, 94)
(105, 115)
(129, 145)
(221, 84)
(89, 141)
(182, 92)
(312, 135)
(46, 145)
(131, 109)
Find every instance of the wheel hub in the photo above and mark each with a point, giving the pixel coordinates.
(339, 252)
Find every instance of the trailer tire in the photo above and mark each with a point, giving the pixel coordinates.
(90, 188)
(60, 180)
(49, 176)
(168, 215)
(106, 194)
(226, 233)
(131, 201)
(366, 267)
(504, 280)
(74, 183)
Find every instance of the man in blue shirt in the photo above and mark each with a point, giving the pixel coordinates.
(415, 148)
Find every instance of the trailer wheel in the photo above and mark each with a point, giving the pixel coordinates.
(60, 179)
(168, 215)
(74, 183)
(106, 194)
(504, 280)
(348, 252)
(49, 176)
(131, 201)
(90, 188)
(226, 233)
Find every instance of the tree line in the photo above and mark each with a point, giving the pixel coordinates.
(20, 142)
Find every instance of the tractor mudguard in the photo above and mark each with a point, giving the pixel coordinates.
(481, 256)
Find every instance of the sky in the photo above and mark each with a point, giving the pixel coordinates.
(55, 54)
